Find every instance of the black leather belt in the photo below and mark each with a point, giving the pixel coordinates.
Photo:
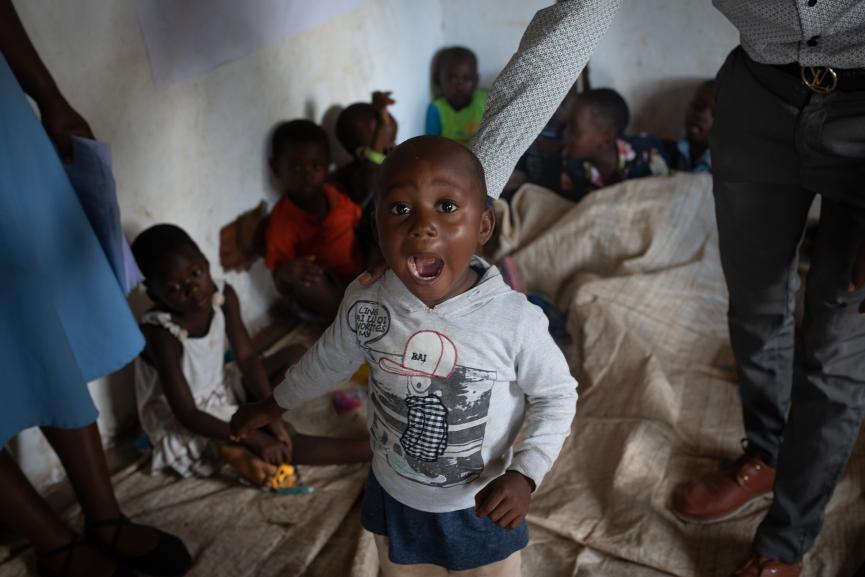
(825, 79)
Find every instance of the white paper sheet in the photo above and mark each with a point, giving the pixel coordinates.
(189, 38)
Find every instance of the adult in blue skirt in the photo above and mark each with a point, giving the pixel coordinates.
(63, 322)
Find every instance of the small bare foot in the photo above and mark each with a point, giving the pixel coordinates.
(249, 466)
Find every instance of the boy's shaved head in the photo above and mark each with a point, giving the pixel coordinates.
(431, 216)
(420, 148)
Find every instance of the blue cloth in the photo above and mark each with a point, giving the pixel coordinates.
(63, 318)
(457, 540)
(91, 177)
(682, 161)
(433, 121)
(558, 323)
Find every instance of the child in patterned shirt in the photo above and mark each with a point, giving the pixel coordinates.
(597, 152)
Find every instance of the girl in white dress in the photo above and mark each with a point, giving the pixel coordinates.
(186, 393)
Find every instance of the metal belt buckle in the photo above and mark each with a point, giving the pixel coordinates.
(820, 79)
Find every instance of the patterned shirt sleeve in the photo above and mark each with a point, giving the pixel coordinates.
(553, 51)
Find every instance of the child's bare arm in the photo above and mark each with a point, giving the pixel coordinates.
(380, 101)
(253, 416)
(166, 353)
(60, 120)
(247, 359)
(382, 136)
(254, 375)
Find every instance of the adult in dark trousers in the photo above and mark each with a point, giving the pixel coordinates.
(63, 321)
(789, 125)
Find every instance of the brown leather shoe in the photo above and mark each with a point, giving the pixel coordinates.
(742, 485)
(761, 566)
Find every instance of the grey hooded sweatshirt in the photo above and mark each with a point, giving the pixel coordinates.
(449, 386)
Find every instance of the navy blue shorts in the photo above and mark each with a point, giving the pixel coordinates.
(457, 540)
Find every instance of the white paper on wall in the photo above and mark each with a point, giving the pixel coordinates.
(189, 38)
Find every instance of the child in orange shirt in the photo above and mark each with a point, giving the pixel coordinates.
(310, 242)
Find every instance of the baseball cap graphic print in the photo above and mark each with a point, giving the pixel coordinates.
(426, 354)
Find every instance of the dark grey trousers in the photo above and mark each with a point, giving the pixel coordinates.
(775, 145)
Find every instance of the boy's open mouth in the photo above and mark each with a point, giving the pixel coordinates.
(425, 267)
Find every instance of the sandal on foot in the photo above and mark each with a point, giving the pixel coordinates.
(169, 558)
(69, 551)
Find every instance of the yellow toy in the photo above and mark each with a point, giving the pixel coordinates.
(285, 477)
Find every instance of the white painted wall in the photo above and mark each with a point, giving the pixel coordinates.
(655, 54)
(491, 28)
(194, 154)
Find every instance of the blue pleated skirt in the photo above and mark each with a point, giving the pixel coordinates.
(64, 320)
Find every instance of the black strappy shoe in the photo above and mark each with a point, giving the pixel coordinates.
(69, 551)
(169, 558)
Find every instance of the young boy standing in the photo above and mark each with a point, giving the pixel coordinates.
(458, 362)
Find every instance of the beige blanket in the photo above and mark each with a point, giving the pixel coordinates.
(636, 267)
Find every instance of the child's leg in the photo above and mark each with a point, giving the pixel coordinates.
(309, 450)
(276, 363)
(249, 466)
(80, 451)
(141, 547)
(390, 569)
(509, 567)
(23, 509)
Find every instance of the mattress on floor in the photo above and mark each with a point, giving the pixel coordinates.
(636, 267)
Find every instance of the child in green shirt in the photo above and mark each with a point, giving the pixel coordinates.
(456, 114)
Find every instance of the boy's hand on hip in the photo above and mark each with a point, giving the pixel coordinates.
(505, 500)
(253, 416)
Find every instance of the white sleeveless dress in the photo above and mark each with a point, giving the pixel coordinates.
(216, 387)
